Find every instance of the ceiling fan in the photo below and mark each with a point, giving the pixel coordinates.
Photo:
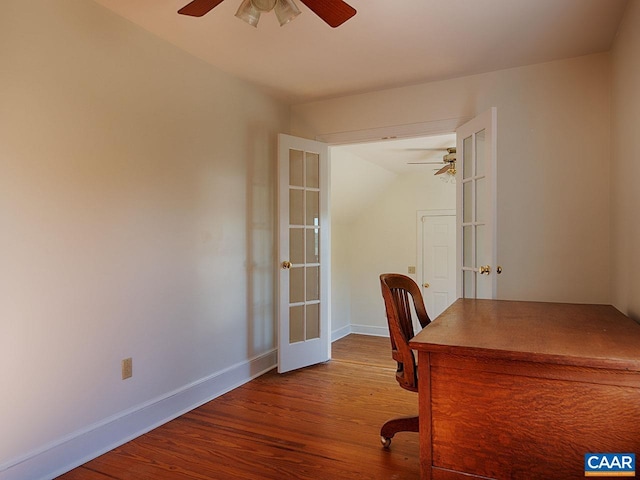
(333, 12)
(449, 160)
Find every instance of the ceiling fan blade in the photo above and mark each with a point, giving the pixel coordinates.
(333, 12)
(198, 8)
(443, 169)
(424, 163)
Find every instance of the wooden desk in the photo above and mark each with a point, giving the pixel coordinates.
(513, 390)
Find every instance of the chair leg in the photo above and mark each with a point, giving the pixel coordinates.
(395, 425)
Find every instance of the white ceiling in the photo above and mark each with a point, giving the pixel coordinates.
(388, 43)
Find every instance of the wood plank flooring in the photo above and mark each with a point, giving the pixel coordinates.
(321, 422)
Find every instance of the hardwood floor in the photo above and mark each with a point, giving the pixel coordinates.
(322, 422)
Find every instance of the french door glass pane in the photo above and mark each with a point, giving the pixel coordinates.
(313, 245)
(296, 245)
(296, 168)
(467, 201)
(313, 170)
(481, 200)
(313, 283)
(296, 285)
(296, 207)
(313, 321)
(296, 324)
(467, 241)
(481, 240)
(467, 161)
(480, 152)
(313, 208)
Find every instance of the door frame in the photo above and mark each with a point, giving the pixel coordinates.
(422, 129)
(419, 129)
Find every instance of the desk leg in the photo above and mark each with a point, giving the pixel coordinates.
(424, 398)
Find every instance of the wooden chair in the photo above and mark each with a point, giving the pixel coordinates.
(399, 292)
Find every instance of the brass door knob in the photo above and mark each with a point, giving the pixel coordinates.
(485, 270)
(286, 265)
(426, 285)
(498, 269)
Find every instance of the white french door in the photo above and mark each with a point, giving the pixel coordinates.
(303, 251)
(476, 199)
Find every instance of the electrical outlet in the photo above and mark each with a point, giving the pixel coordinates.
(412, 270)
(127, 368)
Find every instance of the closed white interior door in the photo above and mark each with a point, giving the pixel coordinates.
(303, 248)
(476, 199)
(438, 273)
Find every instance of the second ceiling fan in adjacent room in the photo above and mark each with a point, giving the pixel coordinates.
(449, 160)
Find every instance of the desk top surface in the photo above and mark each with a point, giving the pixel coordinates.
(596, 336)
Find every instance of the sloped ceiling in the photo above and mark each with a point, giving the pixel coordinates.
(362, 172)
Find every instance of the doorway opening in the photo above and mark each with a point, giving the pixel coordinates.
(377, 189)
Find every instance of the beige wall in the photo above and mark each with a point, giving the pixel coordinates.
(341, 317)
(553, 158)
(384, 239)
(355, 185)
(377, 235)
(625, 165)
(136, 219)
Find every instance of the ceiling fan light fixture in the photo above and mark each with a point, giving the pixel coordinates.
(333, 12)
(286, 10)
(449, 177)
(249, 13)
(264, 5)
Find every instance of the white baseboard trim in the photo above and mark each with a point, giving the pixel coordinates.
(340, 333)
(78, 448)
(370, 330)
